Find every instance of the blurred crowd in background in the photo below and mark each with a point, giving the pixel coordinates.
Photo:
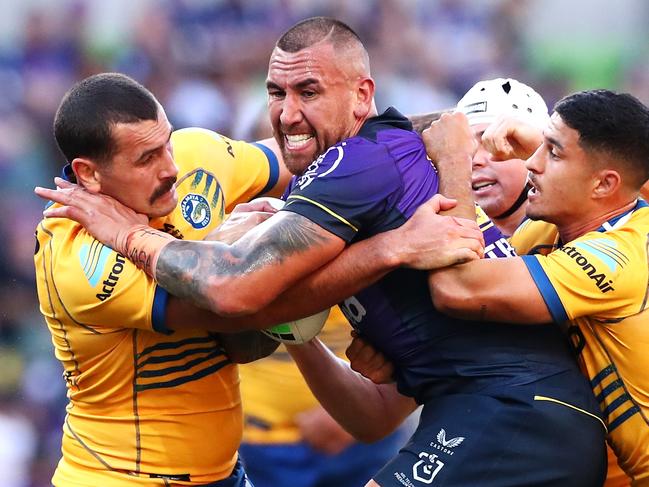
(206, 62)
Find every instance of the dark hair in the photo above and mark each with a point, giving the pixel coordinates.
(315, 29)
(614, 123)
(83, 121)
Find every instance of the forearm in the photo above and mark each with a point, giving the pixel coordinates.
(455, 182)
(422, 121)
(500, 290)
(357, 267)
(243, 278)
(366, 410)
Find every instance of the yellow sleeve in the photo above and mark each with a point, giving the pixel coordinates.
(534, 237)
(601, 275)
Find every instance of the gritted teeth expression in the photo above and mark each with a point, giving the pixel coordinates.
(297, 142)
(310, 102)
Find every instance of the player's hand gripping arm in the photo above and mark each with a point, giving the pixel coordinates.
(415, 244)
(235, 279)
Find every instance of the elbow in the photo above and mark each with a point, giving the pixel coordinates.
(231, 301)
(448, 301)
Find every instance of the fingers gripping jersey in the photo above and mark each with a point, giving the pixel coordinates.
(598, 284)
(372, 183)
(147, 405)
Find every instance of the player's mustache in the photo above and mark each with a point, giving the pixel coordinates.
(164, 187)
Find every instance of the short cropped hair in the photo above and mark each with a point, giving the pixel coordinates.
(315, 29)
(84, 119)
(614, 123)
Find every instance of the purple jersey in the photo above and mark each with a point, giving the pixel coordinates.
(374, 182)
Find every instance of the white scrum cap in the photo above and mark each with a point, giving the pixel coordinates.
(489, 99)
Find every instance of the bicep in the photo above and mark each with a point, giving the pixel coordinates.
(489, 290)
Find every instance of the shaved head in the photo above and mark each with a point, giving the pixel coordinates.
(346, 43)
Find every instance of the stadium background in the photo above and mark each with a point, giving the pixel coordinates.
(206, 61)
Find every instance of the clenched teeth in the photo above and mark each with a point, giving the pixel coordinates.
(298, 140)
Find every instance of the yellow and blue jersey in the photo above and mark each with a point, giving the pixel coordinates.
(598, 285)
(147, 405)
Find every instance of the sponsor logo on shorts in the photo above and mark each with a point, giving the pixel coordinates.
(196, 210)
(444, 445)
(427, 468)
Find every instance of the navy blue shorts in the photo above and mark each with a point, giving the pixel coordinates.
(481, 441)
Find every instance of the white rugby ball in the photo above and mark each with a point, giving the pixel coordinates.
(274, 202)
(298, 331)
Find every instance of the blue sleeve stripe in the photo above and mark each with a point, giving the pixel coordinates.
(159, 311)
(546, 288)
(273, 166)
(623, 417)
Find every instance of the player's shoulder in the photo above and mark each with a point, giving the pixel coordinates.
(534, 237)
(195, 140)
(196, 133)
(197, 146)
(626, 231)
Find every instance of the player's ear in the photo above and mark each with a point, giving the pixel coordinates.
(87, 175)
(607, 182)
(364, 97)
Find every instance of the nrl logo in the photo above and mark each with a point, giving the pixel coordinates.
(445, 445)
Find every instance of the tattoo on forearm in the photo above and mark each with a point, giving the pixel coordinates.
(184, 268)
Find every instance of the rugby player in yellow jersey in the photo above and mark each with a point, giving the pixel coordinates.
(500, 185)
(153, 399)
(148, 406)
(586, 177)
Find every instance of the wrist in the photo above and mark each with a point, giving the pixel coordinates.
(389, 250)
(142, 245)
(456, 161)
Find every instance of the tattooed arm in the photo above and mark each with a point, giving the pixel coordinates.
(426, 241)
(244, 277)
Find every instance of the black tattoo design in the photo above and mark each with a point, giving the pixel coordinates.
(185, 268)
